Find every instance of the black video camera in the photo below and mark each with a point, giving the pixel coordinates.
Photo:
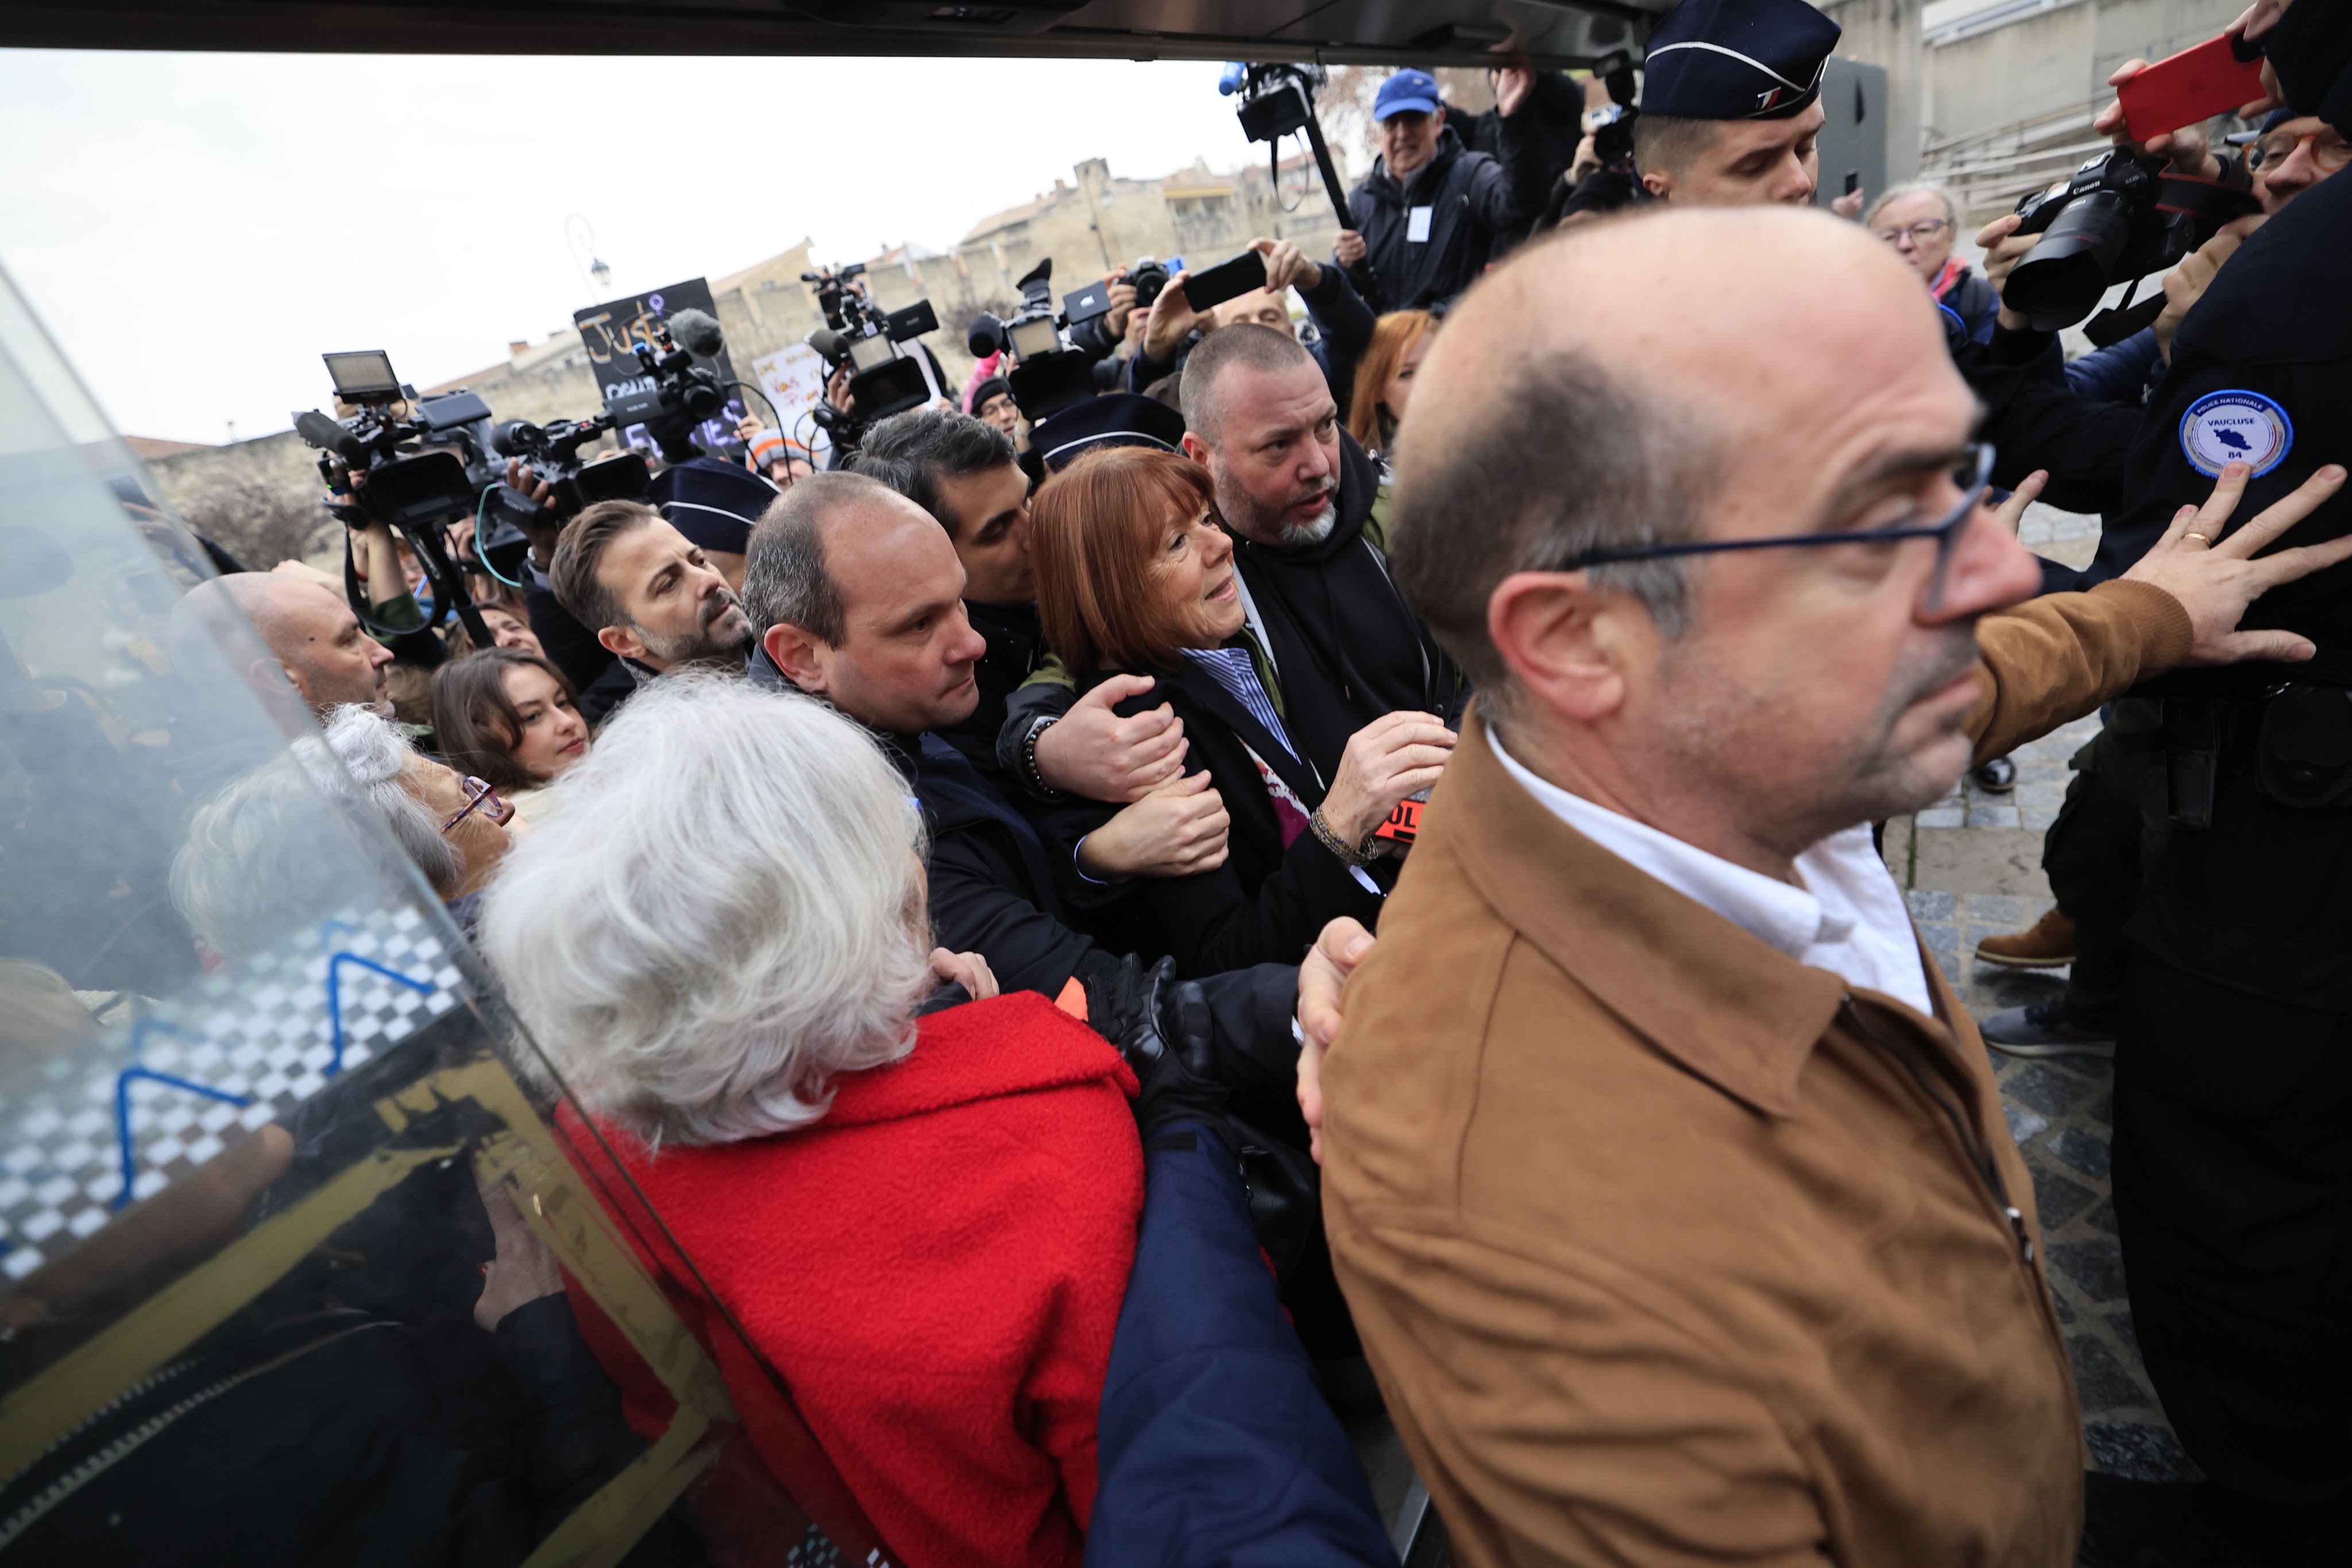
(552, 451)
(884, 378)
(416, 474)
(674, 395)
(1049, 375)
(2117, 218)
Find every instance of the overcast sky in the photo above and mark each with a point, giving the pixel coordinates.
(195, 229)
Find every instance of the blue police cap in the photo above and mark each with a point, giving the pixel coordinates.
(714, 503)
(1117, 419)
(1407, 92)
(1737, 60)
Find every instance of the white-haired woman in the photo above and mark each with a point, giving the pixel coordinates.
(720, 941)
(1922, 224)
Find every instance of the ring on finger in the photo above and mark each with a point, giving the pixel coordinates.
(2203, 538)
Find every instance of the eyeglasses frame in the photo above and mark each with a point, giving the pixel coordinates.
(1945, 531)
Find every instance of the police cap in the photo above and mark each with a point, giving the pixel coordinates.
(1737, 60)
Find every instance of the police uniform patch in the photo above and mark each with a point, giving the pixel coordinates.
(2236, 426)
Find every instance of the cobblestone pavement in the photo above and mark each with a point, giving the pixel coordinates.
(1972, 863)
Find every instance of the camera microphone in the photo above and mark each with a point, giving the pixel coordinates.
(698, 332)
(328, 436)
(832, 345)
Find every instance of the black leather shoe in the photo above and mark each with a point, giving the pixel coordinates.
(1998, 776)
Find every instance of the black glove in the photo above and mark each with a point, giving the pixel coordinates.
(1166, 1044)
(1164, 1036)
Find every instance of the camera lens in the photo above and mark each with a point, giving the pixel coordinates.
(2061, 279)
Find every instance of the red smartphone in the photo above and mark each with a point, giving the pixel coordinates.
(2193, 85)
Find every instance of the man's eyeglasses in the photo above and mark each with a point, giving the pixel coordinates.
(481, 797)
(2329, 151)
(1917, 233)
(1973, 475)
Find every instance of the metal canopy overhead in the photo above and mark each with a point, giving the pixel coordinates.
(1422, 32)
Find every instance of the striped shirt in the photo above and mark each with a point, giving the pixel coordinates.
(1233, 668)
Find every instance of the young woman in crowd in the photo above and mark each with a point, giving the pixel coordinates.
(508, 716)
(1135, 576)
(1384, 377)
(721, 942)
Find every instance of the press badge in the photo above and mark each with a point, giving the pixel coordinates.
(2236, 426)
(1416, 224)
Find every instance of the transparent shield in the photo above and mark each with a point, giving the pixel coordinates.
(293, 1267)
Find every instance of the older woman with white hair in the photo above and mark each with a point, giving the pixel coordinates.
(923, 1221)
(1923, 226)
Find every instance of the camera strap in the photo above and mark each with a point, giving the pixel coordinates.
(2207, 201)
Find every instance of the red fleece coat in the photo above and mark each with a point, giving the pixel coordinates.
(936, 1269)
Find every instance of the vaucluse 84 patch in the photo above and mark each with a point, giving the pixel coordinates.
(2236, 426)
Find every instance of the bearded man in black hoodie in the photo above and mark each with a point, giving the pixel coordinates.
(1335, 644)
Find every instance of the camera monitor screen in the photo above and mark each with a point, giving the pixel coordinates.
(1037, 337)
(366, 373)
(867, 353)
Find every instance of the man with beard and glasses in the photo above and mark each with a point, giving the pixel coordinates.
(1666, 1178)
(1334, 643)
(651, 596)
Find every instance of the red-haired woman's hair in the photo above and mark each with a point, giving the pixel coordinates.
(1095, 534)
(1393, 336)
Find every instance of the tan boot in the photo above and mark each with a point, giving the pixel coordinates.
(2049, 945)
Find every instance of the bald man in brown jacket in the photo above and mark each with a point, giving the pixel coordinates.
(1664, 1175)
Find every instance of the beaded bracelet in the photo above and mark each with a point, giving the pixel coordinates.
(1328, 837)
(1029, 757)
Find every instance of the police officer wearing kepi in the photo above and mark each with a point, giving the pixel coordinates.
(1730, 104)
(2232, 1156)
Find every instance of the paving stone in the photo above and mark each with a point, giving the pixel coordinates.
(2037, 817)
(2121, 1322)
(2055, 1197)
(1987, 817)
(1943, 816)
(2102, 1379)
(2065, 1313)
(2096, 1267)
(2085, 1150)
(2139, 1450)
(1995, 909)
(2103, 1111)
(2103, 1217)
(1930, 906)
(2023, 1124)
(2047, 1091)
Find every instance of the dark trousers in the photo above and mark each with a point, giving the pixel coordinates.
(2102, 848)
(1215, 1448)
(2233, 1197)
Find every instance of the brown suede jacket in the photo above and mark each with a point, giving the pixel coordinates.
(1667, 1248)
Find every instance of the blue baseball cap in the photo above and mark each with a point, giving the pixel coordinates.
(1407, 92)
(1737, 60)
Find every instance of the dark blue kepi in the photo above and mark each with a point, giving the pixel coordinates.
(1737, 60)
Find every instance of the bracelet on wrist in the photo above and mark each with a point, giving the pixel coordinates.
(1328, 837)
(1036, 780)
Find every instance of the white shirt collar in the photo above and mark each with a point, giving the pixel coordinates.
(1848, 917)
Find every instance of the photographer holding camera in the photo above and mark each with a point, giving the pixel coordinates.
(2231, 1197)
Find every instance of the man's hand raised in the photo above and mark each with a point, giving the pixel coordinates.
(2215, 575)
(1172, 319)
(1322, 982)
(1093, 751)
(1286, 266)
